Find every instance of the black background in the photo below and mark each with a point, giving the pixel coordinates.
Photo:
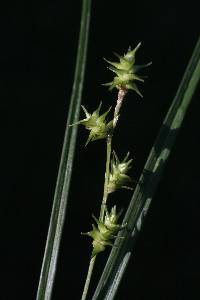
(38, 51)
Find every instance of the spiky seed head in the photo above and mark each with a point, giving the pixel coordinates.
(97, 124)
(126, 71)
(118, 174)
(104, 232)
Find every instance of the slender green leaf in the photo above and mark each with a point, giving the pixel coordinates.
(142, 196)
(48, 270)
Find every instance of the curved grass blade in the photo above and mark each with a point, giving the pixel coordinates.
(142, 196)
(65, 169)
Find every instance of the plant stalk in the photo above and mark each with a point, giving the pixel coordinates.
(102, 211)
(120, 98)
(121, 95)
(89, 275)
(107, 174)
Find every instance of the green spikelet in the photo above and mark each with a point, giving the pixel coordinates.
(126, 71)
(118, 178)
(97, 124)
(105, 231)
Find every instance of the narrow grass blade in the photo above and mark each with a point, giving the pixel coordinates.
(142, 196)
(65, 170)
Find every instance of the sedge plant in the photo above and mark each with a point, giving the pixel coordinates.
(106, 227)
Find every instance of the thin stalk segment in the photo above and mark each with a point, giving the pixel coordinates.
(105, 193)
(88, 279)
(121, 95)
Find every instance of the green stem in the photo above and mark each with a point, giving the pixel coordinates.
(105, 193)
(89, 275)
(120, 98)
(102, 211)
